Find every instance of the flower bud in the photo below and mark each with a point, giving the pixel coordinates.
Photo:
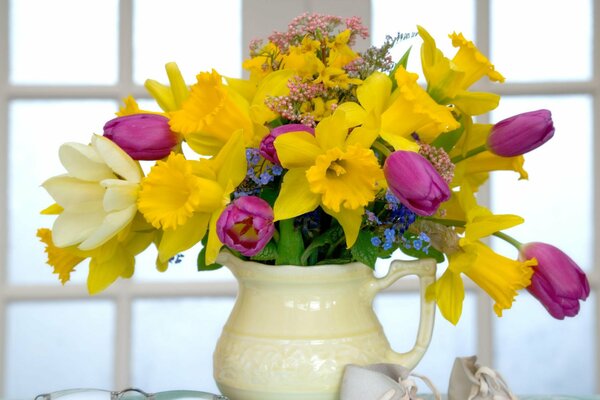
(246, 225)
(521, 133)
(267, 149)
(415, 182)
(142, 136)
(557, 282)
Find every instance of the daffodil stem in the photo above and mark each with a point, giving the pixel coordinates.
(382, 148)
(447, 222)
(509, 239)
(462, 224)
(470, 153)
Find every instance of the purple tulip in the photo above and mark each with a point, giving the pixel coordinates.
(415, 182)
(557, 282)
(246, 225)
(142, 136)
(267, 149)
(521, 133)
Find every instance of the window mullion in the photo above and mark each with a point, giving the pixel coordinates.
(485, 323)
(125, 86)
(4, 29)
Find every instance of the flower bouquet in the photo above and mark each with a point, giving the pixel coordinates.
(324, 155)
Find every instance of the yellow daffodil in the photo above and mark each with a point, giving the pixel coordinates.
(499, 276)
(63, 260)
(131, 107)
(184, 198)
(98, 194)
(327, 170)
(303, 59)
(448, 80)
(340, 54)
(169, 98)
(334, 77)
(112, 260)
(212, 113)
(262, 63)
(395, 116)
(273, 85)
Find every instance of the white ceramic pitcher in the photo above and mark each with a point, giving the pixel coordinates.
(294, 329)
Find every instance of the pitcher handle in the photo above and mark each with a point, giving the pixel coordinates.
(425, 269)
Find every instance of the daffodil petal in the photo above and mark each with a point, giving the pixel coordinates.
(363, 137)
(174, 241)
(69, 192)
(485, 226)
(297, 149)
(117, 159)
(332, 131)
(103, 272)
(230, 163)
(213, 244)
(449, 292)
(111, 224)
(476, 103)
(83, 162)
(179, 89)
(295, 197)
(355, 114)
(375, 92)
(119, 194)
(71, 228)
(162, 94)
(350, 220)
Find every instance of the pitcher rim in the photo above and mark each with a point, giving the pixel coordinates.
(234, 263)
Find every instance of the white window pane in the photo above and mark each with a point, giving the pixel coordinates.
(58, 345)
(542, 40)
(197, 34)
(556, 201)
(173, 341)
(186, 270)
(399, 315)
(392, 16)
(538, 354)
(36, 130)
(63, 41)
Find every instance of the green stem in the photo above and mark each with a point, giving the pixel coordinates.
(509, 239)
(290, 246)
(382, 148)
(470, 153)
(447, 222)
(455, 222)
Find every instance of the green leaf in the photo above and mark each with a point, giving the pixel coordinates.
(269, 194)
(447, 140)
(268, 253)
(330, 236)
(404, 62)
(202, 262)
(290, 245)
(423, 252)
(364, 251)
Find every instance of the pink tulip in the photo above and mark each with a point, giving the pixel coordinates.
(521, 133)
(267, 149)
(142, 136)
(558, 283)
(415, 182)
(246, 225)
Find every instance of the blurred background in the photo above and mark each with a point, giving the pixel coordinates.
(65, 65)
